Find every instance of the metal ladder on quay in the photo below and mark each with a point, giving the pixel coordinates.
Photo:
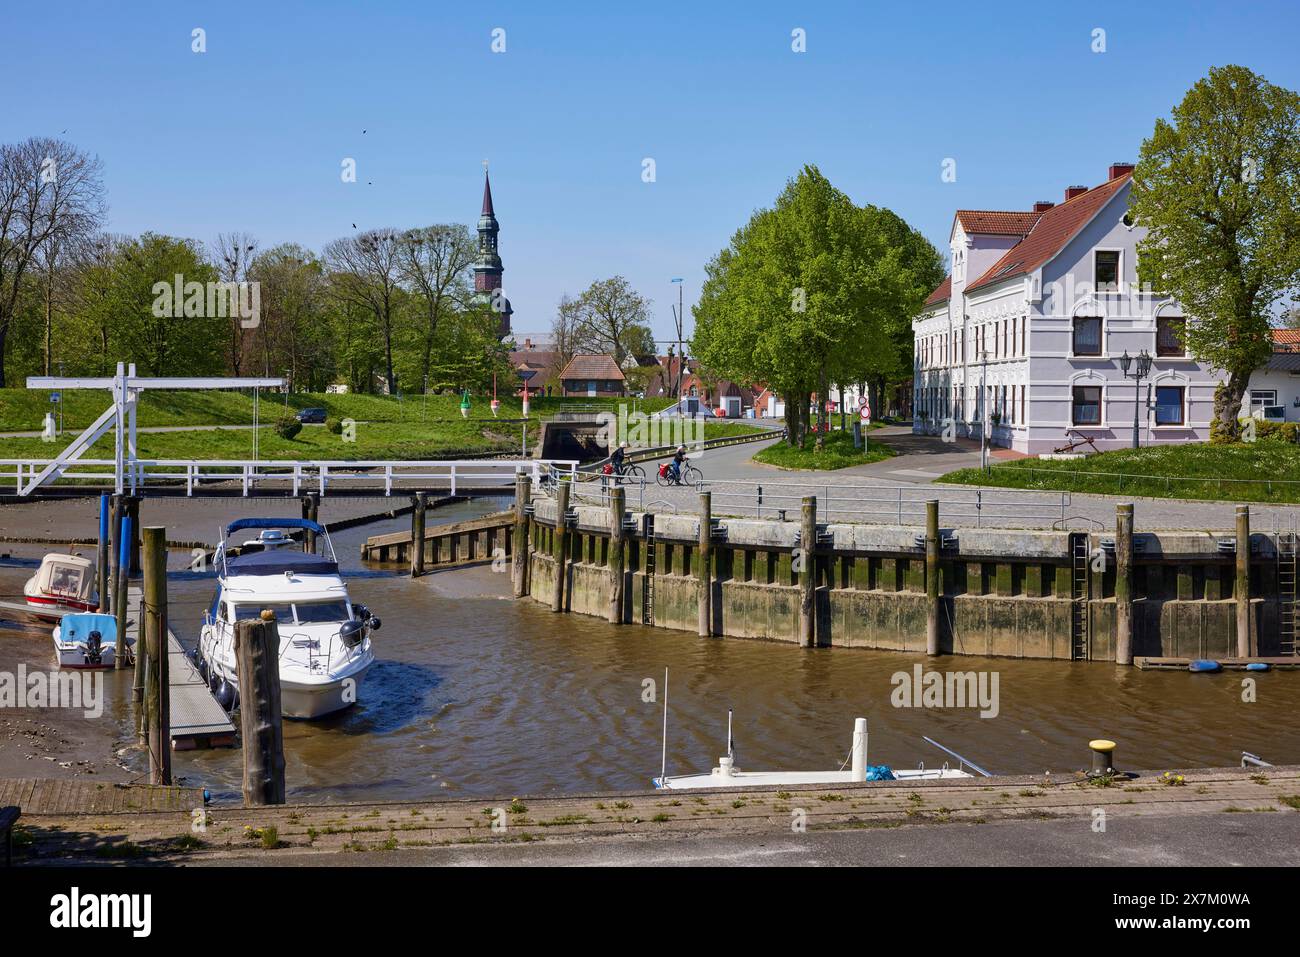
(1079, 596)
(648, 579)
(1287, 548)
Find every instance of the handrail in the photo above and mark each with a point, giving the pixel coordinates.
(966, 761)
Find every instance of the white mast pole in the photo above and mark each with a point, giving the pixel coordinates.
(663, 762)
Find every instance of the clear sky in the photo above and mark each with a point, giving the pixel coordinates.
(251, 134)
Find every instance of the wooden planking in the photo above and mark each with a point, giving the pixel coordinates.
(39, 796)
(1153, 663)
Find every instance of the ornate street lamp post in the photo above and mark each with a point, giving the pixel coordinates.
(1140, 370)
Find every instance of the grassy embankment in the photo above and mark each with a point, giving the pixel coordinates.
(837, 453)
(1249, 472)
(386, 428)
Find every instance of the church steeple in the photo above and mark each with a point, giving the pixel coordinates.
(487, 265)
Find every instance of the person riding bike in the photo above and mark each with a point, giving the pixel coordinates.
(678, 460)
(618, 459)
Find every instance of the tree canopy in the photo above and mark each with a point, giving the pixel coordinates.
(1217, 186)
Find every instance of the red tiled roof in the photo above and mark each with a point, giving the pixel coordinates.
(1055, 227)
(944, 291)
(997, 222)
(600, 366)
(1286, 339)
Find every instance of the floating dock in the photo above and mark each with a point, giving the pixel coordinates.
(1227, 664)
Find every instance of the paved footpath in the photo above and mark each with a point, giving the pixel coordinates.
(874, 492)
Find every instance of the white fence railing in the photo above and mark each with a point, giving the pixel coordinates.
(901, 505)
(295, 476)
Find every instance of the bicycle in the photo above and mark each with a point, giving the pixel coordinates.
(688, 476)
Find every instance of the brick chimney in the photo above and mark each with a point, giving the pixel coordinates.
(1073, 191)
(1043, 206)
(528, 344)
(1119, 169)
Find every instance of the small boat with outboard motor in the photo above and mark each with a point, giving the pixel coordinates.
(63, 583)
(86, 640)
(325, 648)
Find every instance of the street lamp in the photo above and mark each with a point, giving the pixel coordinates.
(679, 319)
(984, 410)
(1140, 370)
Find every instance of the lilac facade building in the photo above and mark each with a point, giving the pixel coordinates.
(1027, 332)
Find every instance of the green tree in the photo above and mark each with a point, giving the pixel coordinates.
(611, 317)
(1217, 186)
(813, 291)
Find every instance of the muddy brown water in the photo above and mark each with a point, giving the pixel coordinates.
(475, 694)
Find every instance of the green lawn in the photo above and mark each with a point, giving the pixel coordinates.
(24, 410)
(1250, 472)
(838, 453)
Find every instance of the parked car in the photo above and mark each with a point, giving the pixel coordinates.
(311, 415)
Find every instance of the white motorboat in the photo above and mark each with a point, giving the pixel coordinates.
(86, 640)
(63, 583)
(727, 775)
(325, 648)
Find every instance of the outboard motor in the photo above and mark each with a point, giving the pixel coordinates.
(94, 648)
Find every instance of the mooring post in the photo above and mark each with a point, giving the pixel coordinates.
(153, 632)
(311, 512)
(119, 512)
(561, 545)
(132, 503)
(257, 655)
(419, 503)
(932, 577)
(1241, 589)
(1124, 584)
(101, 556)
(617, 553)
(704, 571)
(808, 572)
(519, 537)
(120, 584)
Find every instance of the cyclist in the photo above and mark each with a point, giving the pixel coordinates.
(678, 461)
(618, 458)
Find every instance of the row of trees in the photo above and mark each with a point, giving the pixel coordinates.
(815, 292)
(385, 308)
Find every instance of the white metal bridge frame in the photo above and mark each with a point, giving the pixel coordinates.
(128, 472)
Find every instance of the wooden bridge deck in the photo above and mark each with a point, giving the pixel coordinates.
(42, 796)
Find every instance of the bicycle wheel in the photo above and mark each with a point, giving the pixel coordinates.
(663, 480)
(692, 476)
(634, 473)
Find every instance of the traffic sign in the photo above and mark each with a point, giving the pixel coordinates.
(56, 396)
(864, 410)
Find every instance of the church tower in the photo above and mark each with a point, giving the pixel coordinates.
(487, 265)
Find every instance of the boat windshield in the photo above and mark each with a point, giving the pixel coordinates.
(321, 612)
(244, 612)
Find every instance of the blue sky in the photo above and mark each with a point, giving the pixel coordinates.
(250, 135)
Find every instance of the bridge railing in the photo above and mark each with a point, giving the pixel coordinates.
(298, 476)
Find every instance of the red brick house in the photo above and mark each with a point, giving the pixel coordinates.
(592, 375)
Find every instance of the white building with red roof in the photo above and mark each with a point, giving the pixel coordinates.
(1029, 331)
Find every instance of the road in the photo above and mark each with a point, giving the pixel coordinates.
(896, 488)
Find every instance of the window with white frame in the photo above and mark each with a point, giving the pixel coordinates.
(1085, 407)
(1105, 270)
(1169, 405)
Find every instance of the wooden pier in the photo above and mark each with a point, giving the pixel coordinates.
(447, 546)
(1148, 663)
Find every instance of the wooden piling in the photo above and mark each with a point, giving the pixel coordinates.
(1124, 584)
(311, 512)
(1241, 588)
(257, 654)
(704, 565)
(120, 583)
(153, 632)
(132, 504)
(617, 553)
(118, 512)
(420, 505)
(808, 572)
(561, 545)
(932, 577)
(519, 540)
